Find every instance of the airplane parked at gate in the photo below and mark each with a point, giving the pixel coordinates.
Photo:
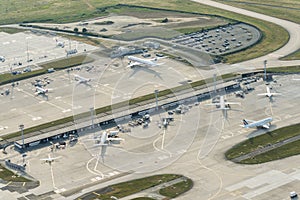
(269, 93)
(81, 79)
(264, 123)
(40, 90)
(106, 139)
(50, 159)
(134, 61)
(223, 105)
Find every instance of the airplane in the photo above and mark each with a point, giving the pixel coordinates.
(40, 90)
(60, 44)
(81, 79)
(140, 61)
(269, 93)
(50, 159)
(105, 140)
(264, 123)
(223, 105)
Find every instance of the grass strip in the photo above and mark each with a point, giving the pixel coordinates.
(284, 151)
(131, 187)
(8, 175)
(287, 69)
(177, 189)
(257, 142)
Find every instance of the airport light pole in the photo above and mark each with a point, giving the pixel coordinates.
(215, 85)
(265, 70)
(92, 117)
(156, 100)
(22, 133)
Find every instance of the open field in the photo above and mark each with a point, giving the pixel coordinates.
(288, 10)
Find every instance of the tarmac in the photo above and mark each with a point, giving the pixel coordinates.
(193, 145)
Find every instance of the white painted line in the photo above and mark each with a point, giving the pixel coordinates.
(68, 110)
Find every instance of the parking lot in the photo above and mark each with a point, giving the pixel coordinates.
(222, 40)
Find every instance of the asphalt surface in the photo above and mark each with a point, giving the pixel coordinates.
(214, 177)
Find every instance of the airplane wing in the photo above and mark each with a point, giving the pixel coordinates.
(115, 139)
(50, 159)
(158, 58)
(266, 126)
(212, 104)
(274, 94)
(133, 64)
(263, 94)
(233, 103)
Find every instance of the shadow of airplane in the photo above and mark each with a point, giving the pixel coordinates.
(137, 68)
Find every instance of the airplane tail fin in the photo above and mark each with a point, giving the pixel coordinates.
(245, 122)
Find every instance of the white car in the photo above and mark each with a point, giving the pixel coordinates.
(293, 195)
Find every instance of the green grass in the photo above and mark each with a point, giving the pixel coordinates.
(284, 151)
(288, 69)
(131, 187)
(8, 175)
(177, 189)
(11, 30)
(292, 56)
(255, 143)
(288, 10)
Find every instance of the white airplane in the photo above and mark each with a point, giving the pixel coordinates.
(264, 123)
(139, 61)
(269, 93)
(105, 140)
(50, 159)
(40, 90)
(81, 79)
(60, 44)
(223, 105)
